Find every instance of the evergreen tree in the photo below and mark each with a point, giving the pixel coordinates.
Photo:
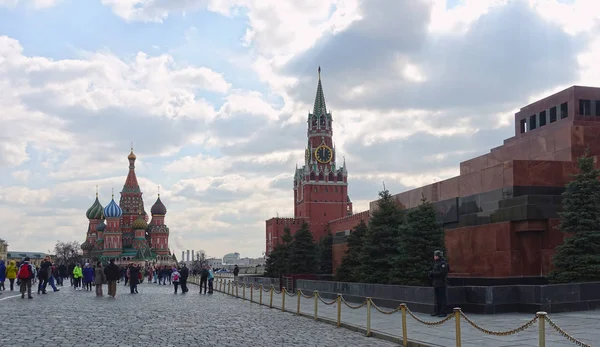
(304, 257)
(578, 258)
(381, 241)
(349, 269)
(419, 238)
(278, 261)
(326, 254)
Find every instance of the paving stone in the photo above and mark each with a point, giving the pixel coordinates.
(157, 317)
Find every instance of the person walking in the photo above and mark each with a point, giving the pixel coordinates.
(11, 274)
(184, 274)
(133, 273)
(203, 278)
(2, 275)
(77, 275)
(211, 277)
(113, 273)
(25, 276)
(175, 278)
(44, 275)
(99, 278)
(439, 275)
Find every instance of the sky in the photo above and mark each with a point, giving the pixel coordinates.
(214, 95)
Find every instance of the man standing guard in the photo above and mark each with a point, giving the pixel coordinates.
(185, 272)
(439, 276)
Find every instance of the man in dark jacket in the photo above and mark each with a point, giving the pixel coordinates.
(44, 274)
(184, 274)
(203, 279)
(113, 273)
(438, 276)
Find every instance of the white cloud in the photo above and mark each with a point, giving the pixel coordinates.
(414, 88)
(36, 4)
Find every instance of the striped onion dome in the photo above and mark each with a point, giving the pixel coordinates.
(95, 211)
(112, 210)
(139, 223)
(100, 226)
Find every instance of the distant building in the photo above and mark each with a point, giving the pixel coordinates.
(3, 249)
(35, 257)
(214, 262)
(231, 258)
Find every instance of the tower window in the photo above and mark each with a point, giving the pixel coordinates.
(564, 110)
(523, 125)
(532, 122)
(553, 114)
(585, 107)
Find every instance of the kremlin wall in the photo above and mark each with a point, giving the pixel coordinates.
(500, 214)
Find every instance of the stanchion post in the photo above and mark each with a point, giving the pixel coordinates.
(237, 292)
(368, 316)
(283, 299)
(299, 294)
(227, 288)
(339, 308)
(542, 328)
(316, 295)
(260, 287)
(271, 297)
(252, 292)
(404, 332)
(457, 322)
(244, 291)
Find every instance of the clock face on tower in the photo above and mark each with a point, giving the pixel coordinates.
(323, 154)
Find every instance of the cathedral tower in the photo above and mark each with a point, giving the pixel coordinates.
(113, 237)
(159, 232)
(321, 184)
(131, 202)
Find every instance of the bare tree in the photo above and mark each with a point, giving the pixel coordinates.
(67, 252)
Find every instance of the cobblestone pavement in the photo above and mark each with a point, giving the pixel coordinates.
(157, 317)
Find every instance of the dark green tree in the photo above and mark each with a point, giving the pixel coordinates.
(349, 269)
(419, 238)
(578, 258)
(326, 254)
(278, 261)
(304, 257)
(381, 241)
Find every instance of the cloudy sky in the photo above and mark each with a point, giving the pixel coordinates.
(215, 93)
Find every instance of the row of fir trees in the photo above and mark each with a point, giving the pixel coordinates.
(300, 254)
(395, 247)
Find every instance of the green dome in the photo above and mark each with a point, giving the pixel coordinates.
(139, 223)
(95, 211)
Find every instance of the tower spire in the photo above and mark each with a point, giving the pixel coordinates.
(319, 107)
(113, 192)
(159, 191)
(96, 191)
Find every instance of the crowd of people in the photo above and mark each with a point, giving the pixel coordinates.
(84, 278)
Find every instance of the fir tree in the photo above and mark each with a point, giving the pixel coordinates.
(303, 252)
(381, 248)
(578, 258)
(326, 254)
(419, 238)
(278, 261)
(349, 269)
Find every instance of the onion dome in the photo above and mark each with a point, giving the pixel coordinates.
(139, 223)
(95, 211)
(87, 246)
(158, 208)
(131, 155)
(100, 227)
(112, 210)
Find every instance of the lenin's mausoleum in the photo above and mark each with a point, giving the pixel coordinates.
(499, 214)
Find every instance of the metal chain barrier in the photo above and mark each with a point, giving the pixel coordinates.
(500, 333)
(440, 322)
(304, 295)
(354, 307)
(385, 312)
(565, 334)
(540, 318)
(325, 302)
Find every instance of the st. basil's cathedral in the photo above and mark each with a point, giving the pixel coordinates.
(122, 232)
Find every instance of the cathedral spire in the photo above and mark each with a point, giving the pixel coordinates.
(319, 107)
(131, 183)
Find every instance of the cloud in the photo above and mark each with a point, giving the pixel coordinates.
(414, 87)
(36, 4)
